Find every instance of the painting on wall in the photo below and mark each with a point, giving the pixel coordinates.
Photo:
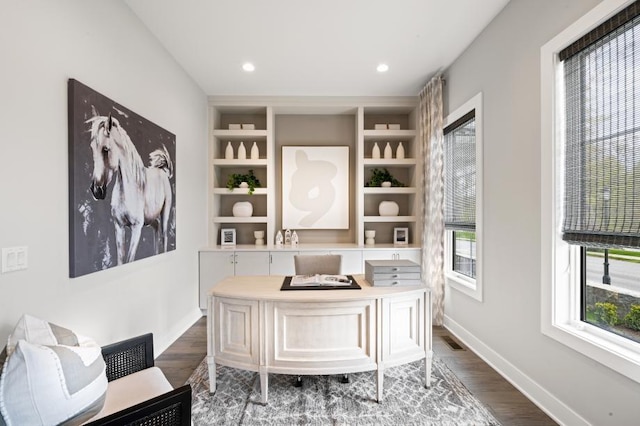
(315, 187)
(122, 185)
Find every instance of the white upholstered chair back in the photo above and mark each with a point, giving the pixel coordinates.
(317, 264)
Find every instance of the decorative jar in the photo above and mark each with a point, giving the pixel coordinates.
(242, 209)
(259, 236)
(370, 235)
(388, 208)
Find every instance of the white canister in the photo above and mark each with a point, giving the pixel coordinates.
(259, 236)
(370, 236)
(388, 208)
(242, 209)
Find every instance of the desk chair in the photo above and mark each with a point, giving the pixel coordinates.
(310, 264)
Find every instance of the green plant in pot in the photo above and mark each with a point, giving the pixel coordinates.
(382, 175)
(236, 179)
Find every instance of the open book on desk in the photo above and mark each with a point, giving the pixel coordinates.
(320, 280)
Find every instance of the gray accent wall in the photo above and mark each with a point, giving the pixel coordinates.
(504, 63)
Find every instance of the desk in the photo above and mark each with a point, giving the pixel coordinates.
(254, 326)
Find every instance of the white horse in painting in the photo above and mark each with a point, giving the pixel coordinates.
(141, 195)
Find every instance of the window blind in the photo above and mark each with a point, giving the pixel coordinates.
(460, 174)
(602, 151)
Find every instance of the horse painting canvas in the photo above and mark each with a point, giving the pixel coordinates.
(121, 208)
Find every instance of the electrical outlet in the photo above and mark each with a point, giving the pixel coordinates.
(14, 259)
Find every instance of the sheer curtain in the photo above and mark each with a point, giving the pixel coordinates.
(431, 142)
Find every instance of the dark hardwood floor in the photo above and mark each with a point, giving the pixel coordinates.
(506, 403)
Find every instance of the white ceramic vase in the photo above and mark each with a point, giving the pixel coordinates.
(388, 208)
(388, 154)
(400, 151)
(375, 152)
(255, 152)
(228, 152)
(370, 237)
(259, 236)
(242, 209)
(242, 152)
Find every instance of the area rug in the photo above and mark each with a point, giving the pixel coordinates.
(324, 400)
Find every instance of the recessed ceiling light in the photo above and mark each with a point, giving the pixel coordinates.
(382, 68)
(248, 67)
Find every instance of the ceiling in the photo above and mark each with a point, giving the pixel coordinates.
(315, 48)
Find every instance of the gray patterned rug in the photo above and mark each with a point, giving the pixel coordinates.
(324, 400)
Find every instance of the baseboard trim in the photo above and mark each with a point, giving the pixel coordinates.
(548, 403)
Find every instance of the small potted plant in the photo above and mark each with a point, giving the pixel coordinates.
(239, 180)
(379, 176)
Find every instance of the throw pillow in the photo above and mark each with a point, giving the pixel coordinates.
(52, 384)
(36, 330)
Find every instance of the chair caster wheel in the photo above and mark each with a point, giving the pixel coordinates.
(345, 378)
(298, 382)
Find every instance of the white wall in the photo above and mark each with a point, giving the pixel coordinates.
(102, 44)
(504, 63)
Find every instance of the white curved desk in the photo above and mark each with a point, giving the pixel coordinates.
(252, 325)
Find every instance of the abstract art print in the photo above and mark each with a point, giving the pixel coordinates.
(122, 186)
(315, 187)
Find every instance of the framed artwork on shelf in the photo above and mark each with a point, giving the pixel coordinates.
(315, 187)
(401, 236)
(228, 237)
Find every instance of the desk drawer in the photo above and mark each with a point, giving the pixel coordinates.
(396, 276)
(395, 282)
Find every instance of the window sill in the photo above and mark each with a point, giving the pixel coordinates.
(463, 284)
(615, 352)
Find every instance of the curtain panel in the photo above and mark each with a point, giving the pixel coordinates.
(431, 142)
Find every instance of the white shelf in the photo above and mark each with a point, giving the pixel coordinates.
(389, 135)
(234, 135)
(388, 219)
(392, 190)
(233, 219)
(239, 191)
(222, 162)
(390, 162)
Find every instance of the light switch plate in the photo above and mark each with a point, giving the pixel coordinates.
(14, 259)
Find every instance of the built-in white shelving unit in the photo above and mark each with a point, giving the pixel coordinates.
(364, 114)
(313, 121)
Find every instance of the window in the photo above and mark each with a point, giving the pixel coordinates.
(591, 182)
(463, 197)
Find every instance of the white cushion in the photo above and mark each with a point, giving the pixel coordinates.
(49, 385)
(36, 330)
(133, 389)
